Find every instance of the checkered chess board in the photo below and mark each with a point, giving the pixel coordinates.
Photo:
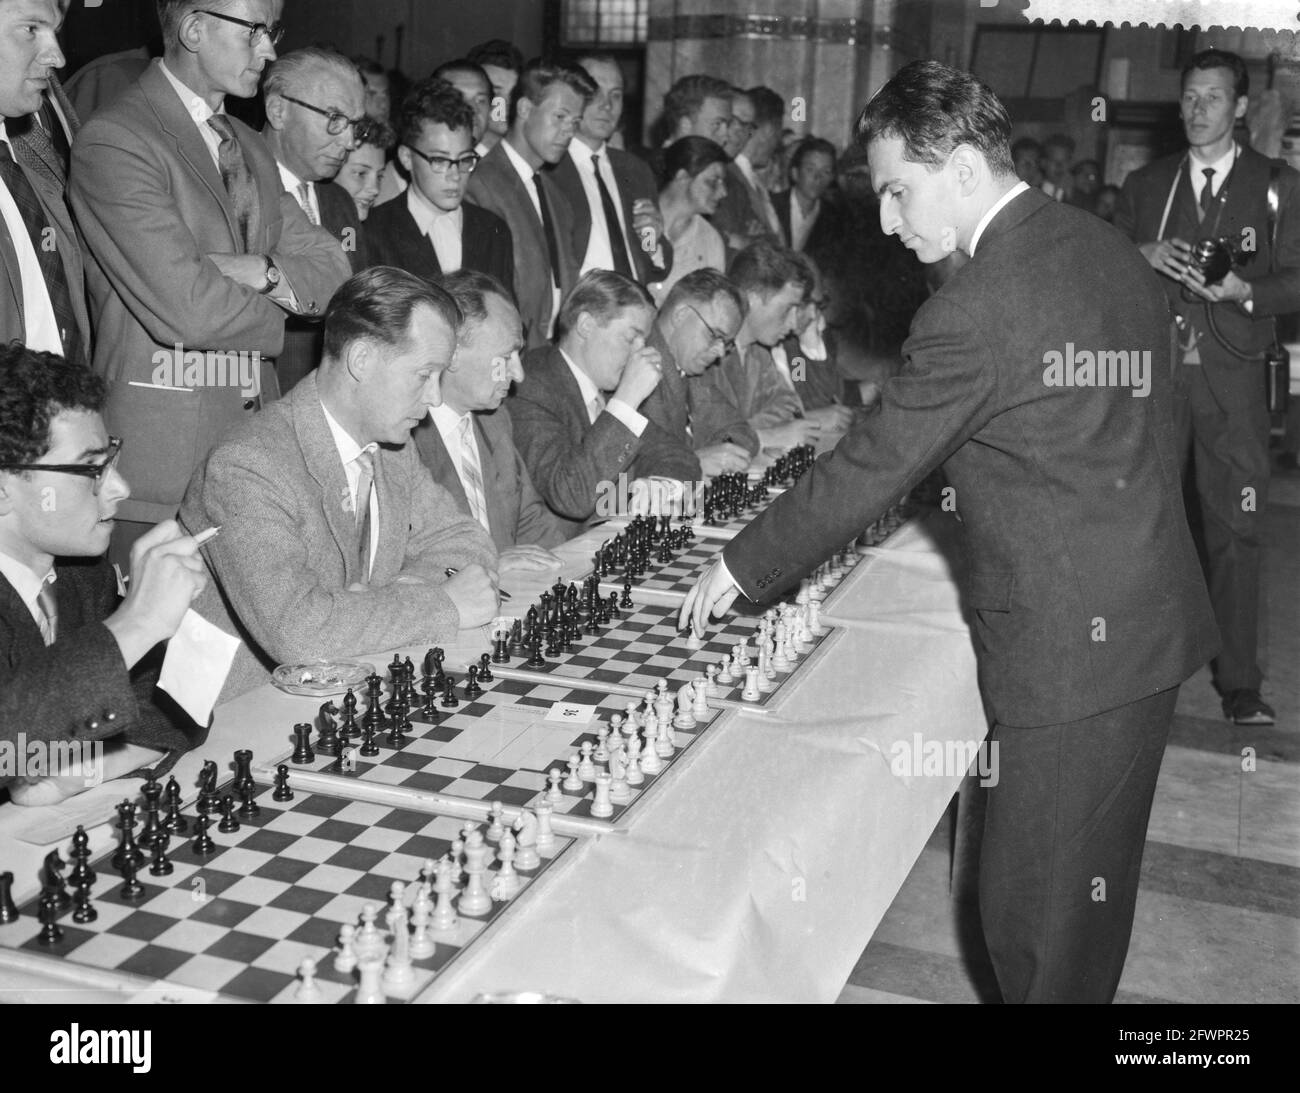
(239, 921)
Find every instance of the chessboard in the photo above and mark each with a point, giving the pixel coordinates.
(635, 652)
(237, 923)
(516, 742)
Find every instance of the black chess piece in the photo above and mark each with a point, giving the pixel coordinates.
(152, 794)
(500, 649)
(536, 660)
(128, 849)
(439, 676)
(395, 727)
(248, 805)
(83, 910)
(207, 787)
(485, 669)
(395, 684)
(161, 866)
(614, 612)
(327, 739)
(8, 909)
(82, 875)
(132, 889)
(348, 730)
(368, 747)
(449, 700)
(626, 601)
(472, 689)
(302, 749)
(282, 792)
(174, 822)
(244, 784)
(228, 822)
(202, 843)
(47, 913)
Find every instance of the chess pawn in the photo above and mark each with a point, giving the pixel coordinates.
(586, 768)
(573, 783)
(664, 746)
(601, 806)
(633, 775)
(766, 673)
(345, 960)
(722, 674)
(601, 754)
(711, 687)
(308, 992)
(422, 944)
(507, 883)
(398, 973)
(444, 915)
(649, 757)
(496, 828)
(554, 793)
(83, 911)
(815, 619)
(369, 942)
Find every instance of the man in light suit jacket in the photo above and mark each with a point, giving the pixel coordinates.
(335, 541)
(42, 291)
(576, 412)
(431, 230)
(309, 94)
(1088, 605)
(509, 182)
(1165, 207)
(468, 443)
(600, 180)
(195, 245)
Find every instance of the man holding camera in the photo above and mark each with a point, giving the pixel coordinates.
(1188, 213)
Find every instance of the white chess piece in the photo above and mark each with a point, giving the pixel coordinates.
(633, 775)
(506, 883)
(345, 960)
(620, 793)
(649, 757)
(369, 941)
(601, 754)
(702, 691)
(601, 806)
(444, 915)
(545, 836)
(586, 768)
(711, 674)
(371, 990)
(685, 718)
(554, 793)
(526, 856)
(308, 993)
(496, 827)
(723, 674)
(573, 781)
(663, 744)
(398, 973)
(751, 693)
(475, 900)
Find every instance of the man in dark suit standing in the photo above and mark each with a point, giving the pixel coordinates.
(69, 647)
(199, 253)
(42, 293)
(1047, 401)
(431, 230)
(510, 182)
(806, 221)
(467, 441)
(745, 214)
(615, 200)
(314, 113)
(1220, 188)
(576, 413)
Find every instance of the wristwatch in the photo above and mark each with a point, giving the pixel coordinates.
(272, 276)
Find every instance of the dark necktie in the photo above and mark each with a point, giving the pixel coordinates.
(1207, 191)
(49, 606)
(240, 185)
(548, 226)
(52, 131)
(38, 228)
(617, 247)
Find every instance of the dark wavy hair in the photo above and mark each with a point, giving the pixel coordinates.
(933, 108)
(692, 155)
(765, 268)
(602, 294)
(377, 304)
(1220, 58)
(34, 387)
(433, 100)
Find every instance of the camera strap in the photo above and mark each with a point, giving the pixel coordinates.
(1274, 198)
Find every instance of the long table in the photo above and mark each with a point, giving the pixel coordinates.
(756, 871)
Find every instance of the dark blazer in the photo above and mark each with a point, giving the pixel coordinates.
(35, 148)
(304, 336)
(517, 515)
(738, 213)
(394, 240)
(50, 694)
(1070, 496)
(570, 459)
(635, 180)
(1138, 212)
(823, 230)
(150, 205)
(496, 186)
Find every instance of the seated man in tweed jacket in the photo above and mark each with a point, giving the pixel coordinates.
(335, 540)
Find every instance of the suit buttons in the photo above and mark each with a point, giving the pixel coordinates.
(110, 718)
(250, 404)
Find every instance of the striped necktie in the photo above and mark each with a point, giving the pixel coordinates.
(304, 199)
(49, 605)
(241, 186)
(365, 484)
(472, 472)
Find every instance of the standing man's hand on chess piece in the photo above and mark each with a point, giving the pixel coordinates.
(167, 574)
(713, 593)
(473, 591)
(641, 375)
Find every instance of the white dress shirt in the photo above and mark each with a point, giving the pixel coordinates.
(28, 584)
(801, 225)
(40, 328)
(599, 255)
(199, 111)
(443, 229)
(449, 424)
(348, 450)
(594, 401)
(1222, 168)
(526, 173)
(1015, 191)
(293, 187)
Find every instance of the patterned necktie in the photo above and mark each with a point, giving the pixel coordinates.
(38, 228)
(1207, 191)
(365, 483)
(617, 247)
(304, 199)
(594, 407)
(52, 131)
(49, 605)
(240, 185)
(472, 472)
(548, 226)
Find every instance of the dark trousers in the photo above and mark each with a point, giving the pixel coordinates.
(1062, 853)
(1222, 417)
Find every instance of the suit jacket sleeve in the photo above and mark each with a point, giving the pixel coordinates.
(441, 534)
(715, 418)
(537, 524)
(1278, 292)
(944, 395)
(661, 455)
(770, 401)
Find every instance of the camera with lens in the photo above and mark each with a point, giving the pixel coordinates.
(1215, 257)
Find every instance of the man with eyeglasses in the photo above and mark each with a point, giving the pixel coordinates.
(199, 251)
(70, 647)
(745, 214)
(314, 119)
(431, 230)
(1220, 188)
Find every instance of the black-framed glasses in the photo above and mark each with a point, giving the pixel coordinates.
(335, 122)
(715, 335)
(257, 32)
(96, 471)
(443, 164)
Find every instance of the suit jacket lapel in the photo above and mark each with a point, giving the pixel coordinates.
(566, 176)
(493, 495)
(321, 457)
(14, 615)
(394, 511)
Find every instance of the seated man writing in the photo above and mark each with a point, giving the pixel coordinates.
(335, 541)
(468, 443)
(75, 707)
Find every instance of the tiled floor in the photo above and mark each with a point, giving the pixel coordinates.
(1218, 915)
